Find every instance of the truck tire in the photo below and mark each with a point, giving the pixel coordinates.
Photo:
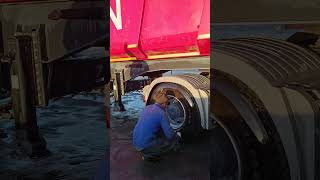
(182, 111)
(233, 156)
(237, 155)
(223, 163)
(234, 144)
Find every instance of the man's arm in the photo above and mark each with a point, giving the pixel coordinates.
(168, 131)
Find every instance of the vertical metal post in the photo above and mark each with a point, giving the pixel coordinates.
(118, 86)
(22, 79)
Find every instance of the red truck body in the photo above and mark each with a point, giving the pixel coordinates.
(153, 29)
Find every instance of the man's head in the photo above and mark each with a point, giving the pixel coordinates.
(161, 98)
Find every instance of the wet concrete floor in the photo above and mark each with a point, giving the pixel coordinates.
(76, 135)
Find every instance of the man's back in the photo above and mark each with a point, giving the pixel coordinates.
(151, 122)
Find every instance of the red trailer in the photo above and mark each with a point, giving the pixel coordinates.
(151, 29)
(151, 37)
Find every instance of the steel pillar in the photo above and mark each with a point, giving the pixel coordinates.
(118, 89)
(22, 75)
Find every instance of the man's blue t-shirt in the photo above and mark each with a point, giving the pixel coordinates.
(153, 119)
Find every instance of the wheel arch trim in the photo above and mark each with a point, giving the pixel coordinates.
(200, 96)
(244, 109)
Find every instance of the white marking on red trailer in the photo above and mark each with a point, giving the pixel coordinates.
(116, 18)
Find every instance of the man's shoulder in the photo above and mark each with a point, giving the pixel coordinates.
(155, 108)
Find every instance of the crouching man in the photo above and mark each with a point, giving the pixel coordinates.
(152, 135)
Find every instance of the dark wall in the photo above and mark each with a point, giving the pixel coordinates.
(77, 75)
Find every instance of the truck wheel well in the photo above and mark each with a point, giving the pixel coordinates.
(197, 87)
(219, 100)
(249, 95)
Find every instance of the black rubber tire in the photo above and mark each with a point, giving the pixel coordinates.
(233, 147)
(223, 162)
(192, 123)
